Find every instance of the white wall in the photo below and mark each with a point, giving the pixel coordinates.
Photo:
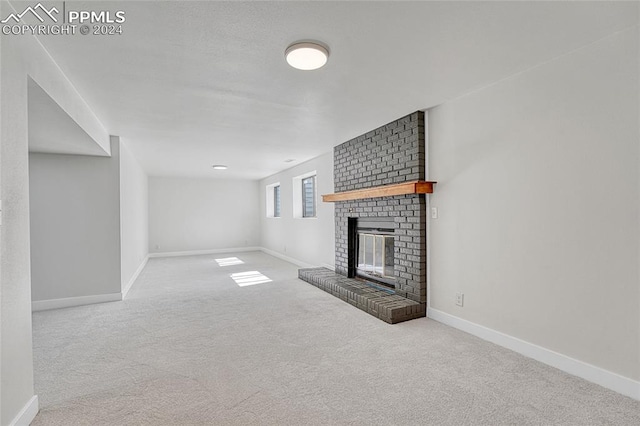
(308, 240)
(134, 217)
(22, 56)
(202, 214)
(538, 205)
(75, 225)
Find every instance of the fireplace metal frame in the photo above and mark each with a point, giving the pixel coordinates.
(383, 226)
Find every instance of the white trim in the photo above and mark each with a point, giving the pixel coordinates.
(67, 302)
(27, 414)
(326, 265)
(605, 378)
(428, 199)
(239, 250)
(306, 175)
(134, 277)
(200, 252)
(286, 258)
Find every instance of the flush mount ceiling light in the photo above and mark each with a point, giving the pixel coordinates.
(306, 55)
(219, 167)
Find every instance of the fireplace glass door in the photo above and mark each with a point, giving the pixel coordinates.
(375, 256)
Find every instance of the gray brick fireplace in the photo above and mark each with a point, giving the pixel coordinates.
(391, 154)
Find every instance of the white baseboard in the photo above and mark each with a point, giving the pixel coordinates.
(27, 414)
(67, 302)
(239, 250)
(286, 258)
(134, 277)
(200, 252)
(273, 253)
(326, 265)
(605, 378)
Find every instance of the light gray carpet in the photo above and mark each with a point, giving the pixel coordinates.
(191, 347)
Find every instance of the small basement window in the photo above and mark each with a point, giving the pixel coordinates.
(309, 197)
(304, 195)
(273, 200)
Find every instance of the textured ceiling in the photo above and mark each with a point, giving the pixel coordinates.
(191, 84)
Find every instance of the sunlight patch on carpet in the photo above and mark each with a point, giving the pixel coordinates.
(244, 279)
(229, 261)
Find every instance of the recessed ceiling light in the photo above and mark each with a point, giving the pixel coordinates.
(219, 167)
(306, 55)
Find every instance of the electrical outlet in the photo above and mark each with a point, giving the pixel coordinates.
(434, 212)
(460, 299)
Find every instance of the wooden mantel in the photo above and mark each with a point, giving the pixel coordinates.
(404, 188)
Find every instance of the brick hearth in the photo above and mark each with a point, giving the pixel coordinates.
(390, 154)
(380, 303)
